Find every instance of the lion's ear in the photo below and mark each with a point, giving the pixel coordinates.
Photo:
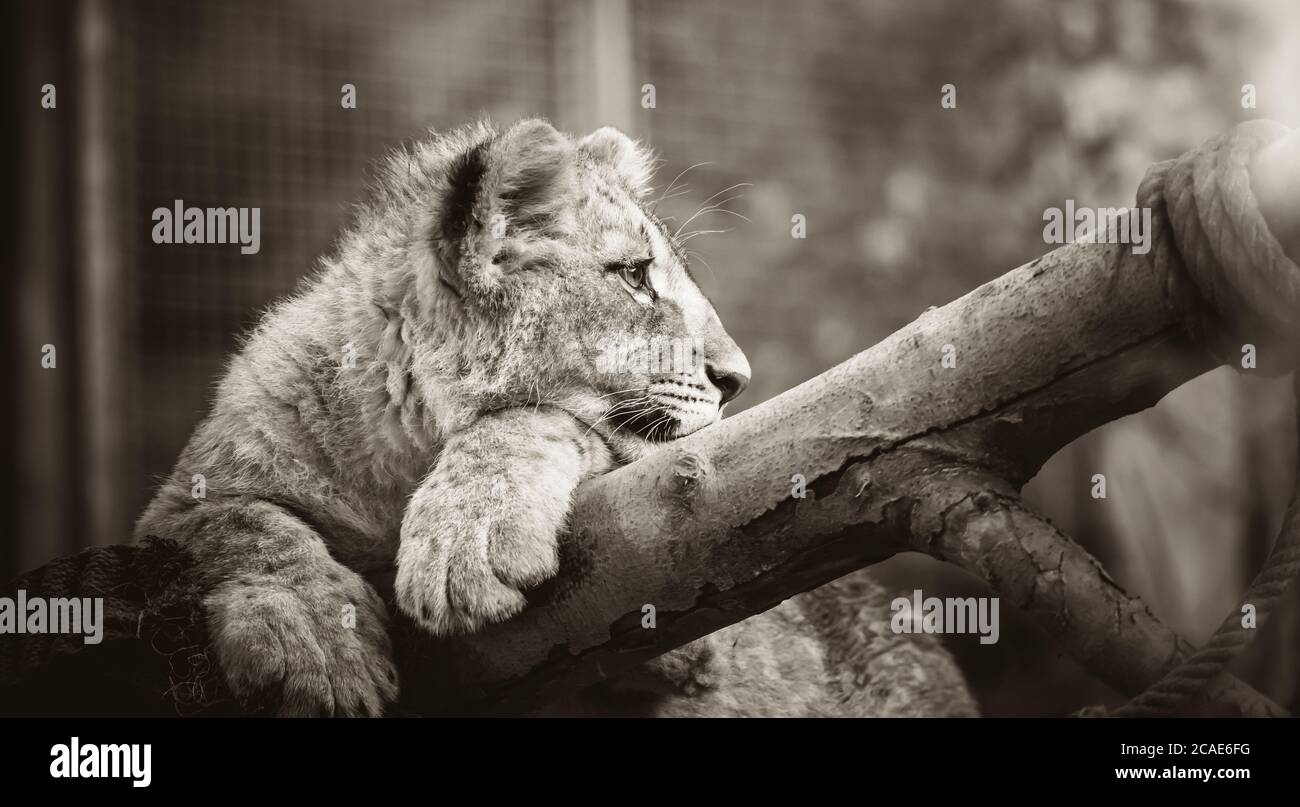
(514, 185)
(528, 177)
(632, 162)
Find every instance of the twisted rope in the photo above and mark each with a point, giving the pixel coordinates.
(1243, 288)
(151, 602)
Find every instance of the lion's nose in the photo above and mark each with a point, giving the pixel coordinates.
(724, 362)
(730, 375)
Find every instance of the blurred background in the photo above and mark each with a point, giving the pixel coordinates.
(828, 109)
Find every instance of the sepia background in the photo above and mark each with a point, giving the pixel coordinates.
(827, 109)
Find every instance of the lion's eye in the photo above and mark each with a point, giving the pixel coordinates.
(636, 274)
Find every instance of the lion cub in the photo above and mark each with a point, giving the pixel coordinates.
(431, 398)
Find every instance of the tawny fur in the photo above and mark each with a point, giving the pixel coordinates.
(431, 398)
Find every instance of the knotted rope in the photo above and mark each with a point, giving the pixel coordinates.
(1243, 289)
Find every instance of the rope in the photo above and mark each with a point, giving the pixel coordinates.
(151, 603)
(1243, 288)
(92, 573)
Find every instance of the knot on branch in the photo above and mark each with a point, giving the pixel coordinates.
(1223, 242)
(686, 470)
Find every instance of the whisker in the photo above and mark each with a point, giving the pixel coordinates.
(725, 190)
(710, 209)
(692, 254)
(616, 392)
(741, 216)
(682, 191)
(679, 176)
(661, 421)
(694, 233)
(640, 400)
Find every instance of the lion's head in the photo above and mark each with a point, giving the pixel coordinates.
(554, 283)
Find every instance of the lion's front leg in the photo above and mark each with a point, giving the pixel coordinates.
(483, 526)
